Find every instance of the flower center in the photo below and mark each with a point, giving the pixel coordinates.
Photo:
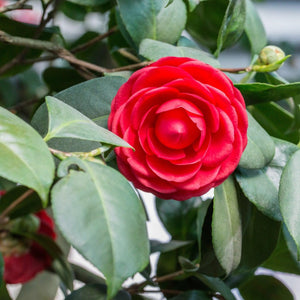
(175, 129)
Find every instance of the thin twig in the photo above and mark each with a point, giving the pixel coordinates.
(9, 208)
(235, 70)
(19, 106)
(169, 276)
(98, 38)
(130, 67)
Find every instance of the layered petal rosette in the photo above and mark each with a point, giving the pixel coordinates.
(187, 124)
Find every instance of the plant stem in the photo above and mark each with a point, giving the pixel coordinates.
(98, 38)
(9, 208)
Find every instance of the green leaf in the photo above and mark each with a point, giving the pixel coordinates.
(65, 121)
(1, 270)
(276, 120)
(179, 217)
(282, 260)
(202, 212)
(226, 226)
(193, 4)
(89, 2)
(232, 25)
(25, 157)
(205, 21)
(153, 19)
(30, 205)
(95, 292)
(262, 287)
(118, 227)
(254, 28)
(157, 246)
(4, 295)
(261, 186)
(93, 99)
(192, 295)
(255, 93)
(260, 148)
(154, 50)
(256, 227)
(216, 285)
(43, 286)
(59, 79)
(289, 197)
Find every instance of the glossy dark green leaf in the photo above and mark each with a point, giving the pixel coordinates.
(179, 217)
(193, 3)
(187, 265)
(118, 230)
(216, 285)
(289, 197)
(262, 287)
(254, 28)
(232, 25)
(154, 50)
(260, 147)
(282, 260)
(153, 19)
(192, 295)
(43, 286)
(25, 157)
(30, 205)
(74, 11)
(276, 120)
(226, 226)
(202, 212)
(256, 227)
(59, 79)
(261, 186)
(205, 21)
(255, 93)
(67, 122)
(92, 98)
(157, 246)
(95, 292)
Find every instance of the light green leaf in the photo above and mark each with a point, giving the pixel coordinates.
(262, 287)
(157, 246)
(170, 22)
(226, 226)
(257, 92)
(260, 148)
(153, 19)
(289, 197)
(93, 99)
(254, 29)
(193, 4)
(65, 121)
(232, 26)
(100, 214)
(25, 157)
(44, 286)
(261, 186)
(154, 50)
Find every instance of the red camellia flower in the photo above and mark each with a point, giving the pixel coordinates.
(20, 268)
(187, 123)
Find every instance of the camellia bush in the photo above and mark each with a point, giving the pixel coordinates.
(87, 123)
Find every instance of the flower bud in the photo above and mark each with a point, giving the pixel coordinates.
(270, 59)
(270, 55)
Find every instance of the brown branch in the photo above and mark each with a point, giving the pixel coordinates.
(169, 276)
(98, 38)
(9, 208)
(19, 106)
(18, 5)
(130, 67)
(235, 70)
